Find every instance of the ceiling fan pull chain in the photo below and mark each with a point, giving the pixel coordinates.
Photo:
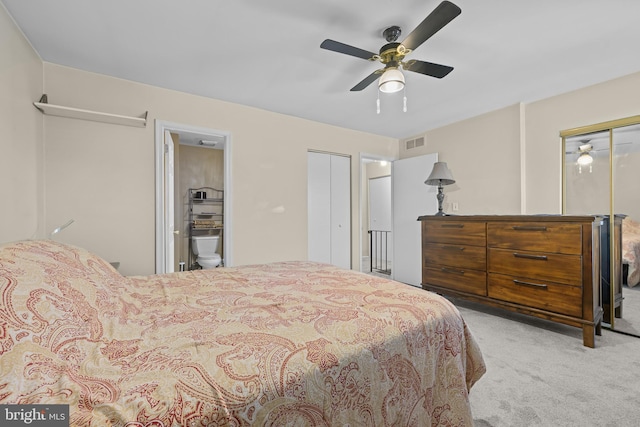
(378, 104)
(404, 107)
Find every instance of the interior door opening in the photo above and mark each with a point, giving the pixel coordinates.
(173, 221)
(410, 198)
(374, 167)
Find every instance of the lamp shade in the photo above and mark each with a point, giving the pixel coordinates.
(440, 175)
(391, 81)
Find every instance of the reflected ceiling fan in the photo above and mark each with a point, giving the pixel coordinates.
(584, 155)
(585, 152)
(392, 54)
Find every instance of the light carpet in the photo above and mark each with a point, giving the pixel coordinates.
(630, 321)
(540, 374)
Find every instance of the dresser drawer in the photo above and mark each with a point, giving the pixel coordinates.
(560, 268)
(538, 236)
(468, 233)
(470, 281)
(545, 295)
(461, 256)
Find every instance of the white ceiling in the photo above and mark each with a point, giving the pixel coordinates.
(267, 54)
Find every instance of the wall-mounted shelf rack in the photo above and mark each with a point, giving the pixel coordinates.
(205, 216)
(96, 116)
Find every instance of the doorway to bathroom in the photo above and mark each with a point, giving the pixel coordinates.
(191, 164)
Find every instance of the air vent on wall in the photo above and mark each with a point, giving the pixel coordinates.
(414, 143)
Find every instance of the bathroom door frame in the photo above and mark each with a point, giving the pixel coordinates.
(164, 179)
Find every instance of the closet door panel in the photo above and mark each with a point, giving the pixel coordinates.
(341, 211)
(319, 207)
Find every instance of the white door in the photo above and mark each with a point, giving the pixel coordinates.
(341, 211)
(411, 199)
(380, 203)
(329, 209)
(319, 207)
(169, 256)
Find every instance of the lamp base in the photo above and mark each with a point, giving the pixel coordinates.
(440, 198)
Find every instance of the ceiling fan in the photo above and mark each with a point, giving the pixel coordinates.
(392, 54)
(585, 152)
(584, 157)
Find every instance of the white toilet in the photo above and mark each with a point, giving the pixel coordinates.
(205, 248)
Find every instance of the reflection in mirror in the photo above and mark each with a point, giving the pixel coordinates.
(626, 183)
(587, 174)
(601, 176)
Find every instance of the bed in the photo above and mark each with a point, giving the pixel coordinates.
(281, 344)
(631, 251)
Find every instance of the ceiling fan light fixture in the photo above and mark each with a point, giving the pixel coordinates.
(391, 81)
(585, 159)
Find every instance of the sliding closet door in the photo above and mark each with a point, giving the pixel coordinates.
(319, 207)
(329, 209)
(341, 211)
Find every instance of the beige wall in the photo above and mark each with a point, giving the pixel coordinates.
(611, 100)
(483, 155)
(102, 175)
(494, 175)
(21, 150)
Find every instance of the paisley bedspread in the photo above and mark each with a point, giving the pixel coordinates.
(282, 344)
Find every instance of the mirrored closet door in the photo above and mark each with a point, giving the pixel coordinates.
(601, 176)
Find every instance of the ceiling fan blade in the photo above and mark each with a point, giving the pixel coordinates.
(366, 81)
(428, 68)
(346, 49)
(441, 16)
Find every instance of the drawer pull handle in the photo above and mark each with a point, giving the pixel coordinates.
(452, 225)
(535, 285)
(529, 228)
(527, 256)
(451, 270)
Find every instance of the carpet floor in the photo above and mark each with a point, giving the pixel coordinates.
(630, 320)
(540, 374)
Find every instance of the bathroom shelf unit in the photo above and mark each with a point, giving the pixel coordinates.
(205, 216)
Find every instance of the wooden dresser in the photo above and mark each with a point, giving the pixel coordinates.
(546, 266)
